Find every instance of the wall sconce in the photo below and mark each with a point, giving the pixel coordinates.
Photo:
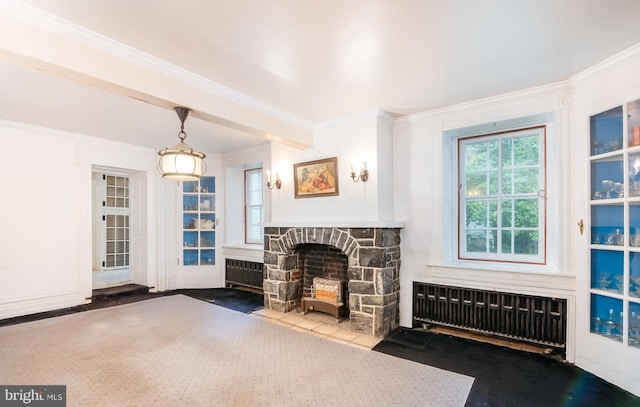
(277, 184)
(364, 174)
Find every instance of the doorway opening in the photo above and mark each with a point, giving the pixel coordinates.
(118, 228)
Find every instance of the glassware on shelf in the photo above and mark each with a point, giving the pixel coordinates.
(613, 325)
(634, 336)
(597, 326)
(608, 227)
(634, 326)
(606, 131)
(607, 187)
(596, 238)
(606, 147)
(634, 175)
(604, 265)
(603, 281)
(618, 188)
(616, 238)
(634, 286)
(619, 325)
(619, 281)
(606, 316)
(609, 325)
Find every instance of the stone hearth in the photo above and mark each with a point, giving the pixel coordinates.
(373, 272)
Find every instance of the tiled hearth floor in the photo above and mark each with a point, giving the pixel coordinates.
(319, 324)
(324, 326)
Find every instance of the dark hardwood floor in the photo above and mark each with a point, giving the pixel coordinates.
(503, 377)
(507, 377)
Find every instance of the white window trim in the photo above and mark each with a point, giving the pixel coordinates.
(234, 165)
(540, 258)
(450, 194)
(248, 241)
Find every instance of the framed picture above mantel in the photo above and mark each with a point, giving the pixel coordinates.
(316, 178)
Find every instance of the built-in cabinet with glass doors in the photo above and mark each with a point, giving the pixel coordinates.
(614, 292)
(199, 222)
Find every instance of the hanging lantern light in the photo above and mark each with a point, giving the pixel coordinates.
(181, 162)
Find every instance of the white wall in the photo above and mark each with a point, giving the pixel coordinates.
(353, 140)
(419, 172)
(40, 243)
(45, 215)
(384, 174)
(235, 164)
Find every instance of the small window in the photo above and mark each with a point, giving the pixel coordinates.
(501, 205)
(254, 207)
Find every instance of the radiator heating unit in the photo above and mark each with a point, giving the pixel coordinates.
(528, 318)
(244, 273)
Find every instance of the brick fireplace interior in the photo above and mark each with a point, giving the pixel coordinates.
(367, 260)
(320, 260)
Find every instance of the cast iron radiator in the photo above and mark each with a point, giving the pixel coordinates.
(515, 316)
(243, 273)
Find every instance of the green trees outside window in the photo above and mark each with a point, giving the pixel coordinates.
(501, 198)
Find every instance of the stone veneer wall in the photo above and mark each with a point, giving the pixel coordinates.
(374, 272)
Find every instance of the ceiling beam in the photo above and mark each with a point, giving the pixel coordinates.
(38, 40)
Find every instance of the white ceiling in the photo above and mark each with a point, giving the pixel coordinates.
(320, 59)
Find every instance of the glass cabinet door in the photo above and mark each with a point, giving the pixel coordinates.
(199, 222)
(615, 224)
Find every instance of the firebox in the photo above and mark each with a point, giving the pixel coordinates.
(323, 261)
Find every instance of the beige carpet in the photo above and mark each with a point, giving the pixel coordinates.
(178, 351)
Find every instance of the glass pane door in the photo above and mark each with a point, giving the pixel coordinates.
(199, 222)
(615, 224)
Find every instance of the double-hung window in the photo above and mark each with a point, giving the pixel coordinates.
(501, 196)
(254, 207)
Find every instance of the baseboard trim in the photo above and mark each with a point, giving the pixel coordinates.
(21, 307)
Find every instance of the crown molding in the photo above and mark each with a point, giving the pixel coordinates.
(56, 25)
(606, 65)
(386, 115)
(77, 137)
(553, 90)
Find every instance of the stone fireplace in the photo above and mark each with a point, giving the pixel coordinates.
(371, 260)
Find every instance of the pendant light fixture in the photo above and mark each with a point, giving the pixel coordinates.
(181, 162)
